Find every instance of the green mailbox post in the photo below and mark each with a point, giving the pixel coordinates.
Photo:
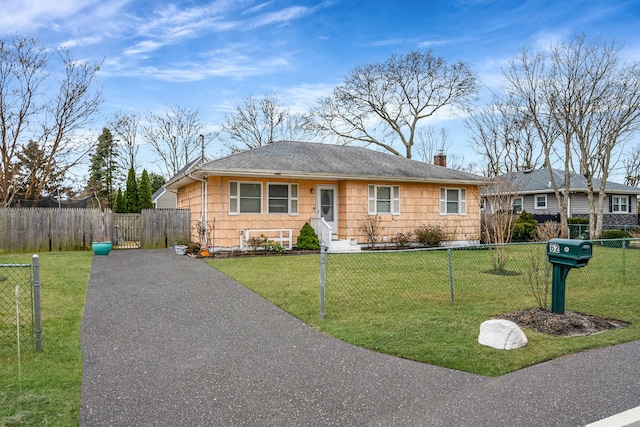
(565, 254)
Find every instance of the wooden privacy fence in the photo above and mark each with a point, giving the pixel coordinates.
(44, 229)
(153, 228)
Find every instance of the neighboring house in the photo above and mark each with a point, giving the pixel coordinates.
(532, 191)
(164, 199)
(275, 189)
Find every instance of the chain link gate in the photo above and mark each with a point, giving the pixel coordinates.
(20, 305)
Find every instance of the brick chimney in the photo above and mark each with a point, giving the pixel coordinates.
(440, 159)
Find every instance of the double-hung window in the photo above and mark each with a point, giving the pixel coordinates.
(517, 205)
(619, 204)
(384, 199)
(541, 201)
(245, 197)
(453, 201)
(283, 198)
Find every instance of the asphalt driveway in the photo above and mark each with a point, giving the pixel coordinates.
(169, 341)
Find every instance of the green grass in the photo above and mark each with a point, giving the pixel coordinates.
(369, 303)
(51, 379)
(400, 303)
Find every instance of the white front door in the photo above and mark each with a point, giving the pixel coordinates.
(327, 206)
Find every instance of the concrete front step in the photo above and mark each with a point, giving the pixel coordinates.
(339, 246)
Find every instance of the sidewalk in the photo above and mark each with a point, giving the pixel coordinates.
(167, 340)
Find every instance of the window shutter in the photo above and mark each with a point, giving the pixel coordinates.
(372, 200)
(610, 203)
(463, 201)
(233, 198)
(629, 204)
(395, 203)
(443, 201)
(293, 198)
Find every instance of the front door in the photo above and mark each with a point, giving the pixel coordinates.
(327, 206)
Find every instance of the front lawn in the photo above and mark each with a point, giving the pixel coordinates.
(400, 303)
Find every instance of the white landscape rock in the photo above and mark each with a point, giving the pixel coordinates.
(501, 334)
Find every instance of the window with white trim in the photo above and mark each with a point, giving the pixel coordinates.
(619, 204)
(541, 201)
(384, 199)
(283, 198)
(453, 201)
(245, 197)
(517, 205)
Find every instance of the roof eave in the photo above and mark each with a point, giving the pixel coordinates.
(573, 190)
(271, 173)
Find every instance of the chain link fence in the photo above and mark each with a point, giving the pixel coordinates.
(20, 306)
(376, 281)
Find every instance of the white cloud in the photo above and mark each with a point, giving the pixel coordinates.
(231, 62)
(387, 42)
(172, 25)
(281, 16)
(301, 98)
(430, 43)
(544, 40)
(143, 47)
(257, 7)
(81, 41)
(29, 15)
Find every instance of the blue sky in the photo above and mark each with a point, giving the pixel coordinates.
(211, 54)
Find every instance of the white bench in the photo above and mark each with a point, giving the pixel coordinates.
(279, 235)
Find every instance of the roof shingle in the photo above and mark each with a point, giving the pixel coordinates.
(538, 181)
(333, 161)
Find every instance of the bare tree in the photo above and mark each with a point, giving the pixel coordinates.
(582, 101)
(605, 113)
(501, 133)
(125, 130)
(632, 167)
(176, 136)
(298, 128)
(499, 216)
(536, 90)
(258, 122)
(383, 103)
(427, 145)
(35, 108)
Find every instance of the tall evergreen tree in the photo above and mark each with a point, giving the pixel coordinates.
(131, 193)
(144, 192)
(27, 169)
(157, 181)
(119, 206)
(103, 169)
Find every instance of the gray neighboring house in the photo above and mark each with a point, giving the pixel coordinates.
(535, 195)
(164, 199)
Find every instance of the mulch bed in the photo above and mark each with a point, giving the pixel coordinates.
(569, 324)
(247, 254)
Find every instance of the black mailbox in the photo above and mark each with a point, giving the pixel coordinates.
(569, 253)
